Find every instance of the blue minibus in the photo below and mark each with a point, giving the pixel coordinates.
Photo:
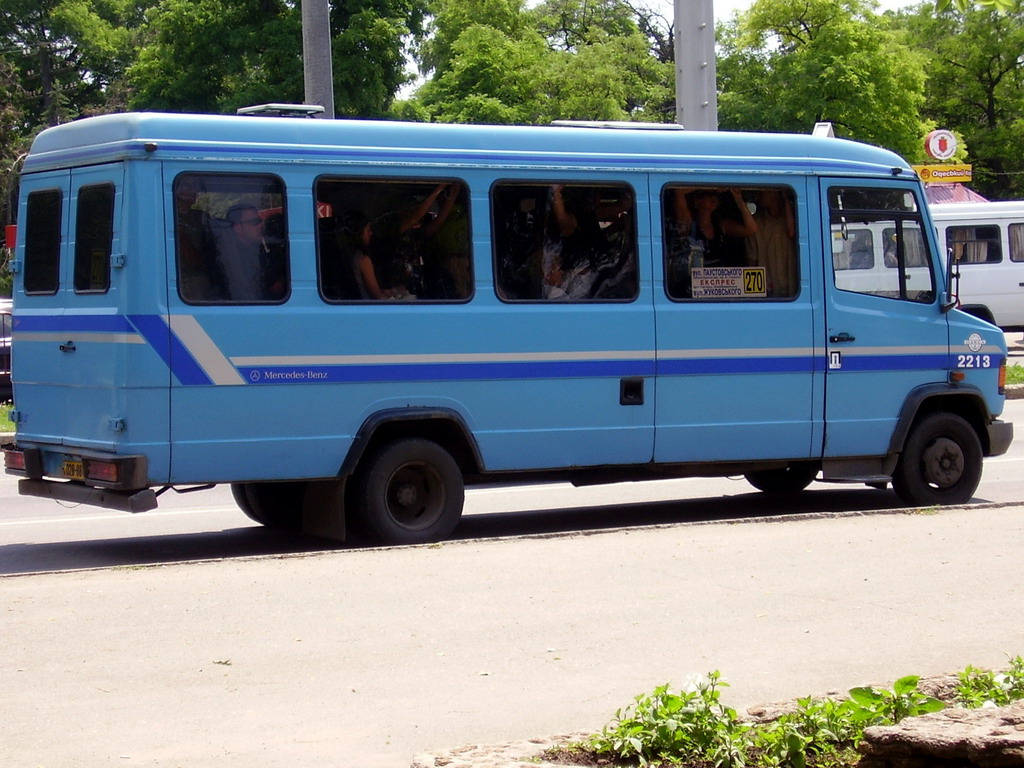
(349, 321)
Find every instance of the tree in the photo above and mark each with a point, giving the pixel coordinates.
(218, 55)
(65, 54)
(976, 86)
(496, 62)
(788, 64)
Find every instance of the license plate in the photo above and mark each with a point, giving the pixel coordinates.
(73, 470)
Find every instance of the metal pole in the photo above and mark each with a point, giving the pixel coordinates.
(316, 54)
(696, 92)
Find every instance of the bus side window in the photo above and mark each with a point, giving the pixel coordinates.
(729, 243)
(393, 240)
(903, 269)
(94, 233)
(231, 239)
(43, 218)
(975, 245)
(564, 242)
(1016, 233)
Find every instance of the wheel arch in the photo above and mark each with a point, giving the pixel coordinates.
(965, 401)
(443, 426)
(980, 311)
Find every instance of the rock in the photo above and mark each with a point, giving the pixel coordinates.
(960, 738)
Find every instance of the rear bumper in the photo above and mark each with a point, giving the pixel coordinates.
(99, 479)
(125, 501)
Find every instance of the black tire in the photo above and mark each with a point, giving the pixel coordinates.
(790, 479)
(407, 492)
(275, 505)
(940, 463)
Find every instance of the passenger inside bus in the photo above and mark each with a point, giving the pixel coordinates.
(773, 245)
(698, 234)
(565, 242)
(417, 241)
(253, 264)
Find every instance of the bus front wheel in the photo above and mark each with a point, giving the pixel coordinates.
(275, 505)
(407, 492)
(940, 463)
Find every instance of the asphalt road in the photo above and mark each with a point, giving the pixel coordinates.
(538, 620)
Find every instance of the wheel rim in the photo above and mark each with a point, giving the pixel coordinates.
(943, 463)
(415, 496)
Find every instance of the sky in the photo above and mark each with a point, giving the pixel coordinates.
(724, 8)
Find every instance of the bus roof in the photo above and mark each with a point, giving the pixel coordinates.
(107, 138)
(978, 211)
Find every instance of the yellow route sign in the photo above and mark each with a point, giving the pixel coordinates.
(948, 173)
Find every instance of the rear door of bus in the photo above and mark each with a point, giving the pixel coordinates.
(70, 334)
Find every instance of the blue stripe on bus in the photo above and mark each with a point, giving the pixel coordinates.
(72, 324)
(901, 362)
(188, 371)
(175, 355)
(446, 371)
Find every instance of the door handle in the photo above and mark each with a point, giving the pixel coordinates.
(841, 338)
(631, 392)
(69, 347)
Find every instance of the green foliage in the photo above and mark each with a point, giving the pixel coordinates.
(497, 62)
(985, 688)
(788, 64)
(975, 86)
(1015, 374)
(693, 725)
(872, 706)
(677, 725)
(218, 55)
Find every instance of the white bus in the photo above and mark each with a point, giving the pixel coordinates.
(987, 242)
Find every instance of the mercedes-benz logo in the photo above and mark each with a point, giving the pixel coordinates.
(974, 342)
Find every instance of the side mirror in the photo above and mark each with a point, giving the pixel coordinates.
(952, 298)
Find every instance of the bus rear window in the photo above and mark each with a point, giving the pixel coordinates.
(231, 238)
(94, 233)
(43, 217)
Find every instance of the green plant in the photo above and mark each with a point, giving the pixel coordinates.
(693, 725)
(887, 707)
(981, 687)
(671, 725)
(1015, 374)
(6, 425)
(821, 729)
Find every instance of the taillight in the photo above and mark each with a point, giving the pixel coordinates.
(1002, 378)
(103, 471)
(15, 460)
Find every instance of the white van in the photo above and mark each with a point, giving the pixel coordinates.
(987, 241)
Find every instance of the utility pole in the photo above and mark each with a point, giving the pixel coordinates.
(696, 93)
(316, 54)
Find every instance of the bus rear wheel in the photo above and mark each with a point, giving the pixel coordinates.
(407, 492)
(790, 479)
(275, 505)
(940, 463)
